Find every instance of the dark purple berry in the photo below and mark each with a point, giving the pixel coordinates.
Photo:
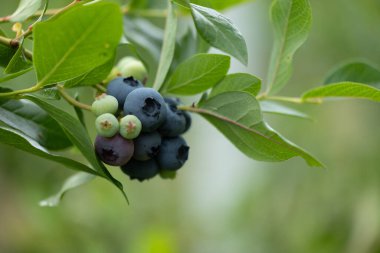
(173, 153)
(147, 146)
(114, 151)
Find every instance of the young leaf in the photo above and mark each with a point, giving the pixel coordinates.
(359, 72)
(276, 108)
(77, 41)
(237, 82)
(72, 182)
(344, 89)
(18, 62)
(197, 74)
(291, 20)
(34, 122)
(168, 47)
(237, 115)
(219, 32)
(78, 136)
(20, 141)
(25, 9)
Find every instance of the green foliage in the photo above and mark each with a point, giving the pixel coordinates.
(359, 72)
(168, 47)
(34, 122)
(219, 32)
(291, 20)
(197, 74)
(20, 141)
(344, 89)
(280, 109)
(237, 115)
(93, 34)
(18, 62)
(238, 82)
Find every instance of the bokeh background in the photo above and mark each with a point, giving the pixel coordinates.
(222, 201)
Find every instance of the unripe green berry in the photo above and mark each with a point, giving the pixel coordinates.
(104, 104)
(168, 174)
(130, 127)
(107, 125)
(130, 66)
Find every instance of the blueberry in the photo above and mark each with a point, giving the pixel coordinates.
(115, 151)
(188, 121)
(172, 101)
(173, 153)
(140, 170)
(147, 146)
(175, 122)
(106, 125)
(147, 105)
(130, 127)
(104, 104)
(120, 88)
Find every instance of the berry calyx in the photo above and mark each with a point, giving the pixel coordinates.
(106, 125)
(104, 104)
(130, 127)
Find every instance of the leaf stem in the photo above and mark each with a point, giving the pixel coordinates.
(71, 100)
(17, 92)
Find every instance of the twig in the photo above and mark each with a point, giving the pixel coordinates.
(71, 100)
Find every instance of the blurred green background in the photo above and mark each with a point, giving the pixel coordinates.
(222, 201)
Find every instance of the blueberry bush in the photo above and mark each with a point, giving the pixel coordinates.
(136, 60)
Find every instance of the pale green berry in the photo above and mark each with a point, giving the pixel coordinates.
(107, 125)
(168, 174)
(104, 104)
(130, 127)
(130, 66)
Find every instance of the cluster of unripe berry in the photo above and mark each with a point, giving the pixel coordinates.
(139, 130)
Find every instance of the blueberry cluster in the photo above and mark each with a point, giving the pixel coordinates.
(139, 130)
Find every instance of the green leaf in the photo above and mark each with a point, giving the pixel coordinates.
(291, 20)
(359, 72)
(92, 77)
(197, 74)
(20, 141)
(18, 62)
(280, 109)
(168, 47)
(78, 136)
(219, 32)
(72, 182)
(25, 9)
(14, 75)
(77, 41)
(34, 122)
(6, 54)
(218, 4)
(238, 82)
(79, 112)
(237, 115)
(344, 89)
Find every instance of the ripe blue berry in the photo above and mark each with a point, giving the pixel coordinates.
(115, 151)
(147, 105)
(173, 153)
(188, 121)
(104, 104)
(140, 170)
(147, 146)
(120, 88)
(175, 122)
(130, 127)
(106, 125)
